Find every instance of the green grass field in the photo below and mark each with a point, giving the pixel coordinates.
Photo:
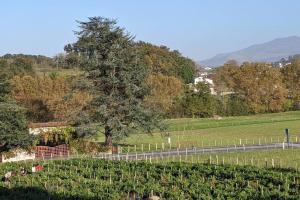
(229, 131)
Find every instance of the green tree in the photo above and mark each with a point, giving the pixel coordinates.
(197, 101)
(110, 59)
(4, 87)
(13, 128)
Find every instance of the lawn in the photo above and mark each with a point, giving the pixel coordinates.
(229, 131)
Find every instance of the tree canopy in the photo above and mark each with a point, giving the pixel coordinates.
(161, 60)
(13, 128)
(109, 57)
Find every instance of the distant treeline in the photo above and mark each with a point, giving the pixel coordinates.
(243, 89)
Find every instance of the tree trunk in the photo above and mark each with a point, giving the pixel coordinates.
(108, 136)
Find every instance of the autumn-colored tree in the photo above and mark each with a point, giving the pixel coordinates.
(48, 97)
(223, 77)
(262, 87)
(164, 90)
(291, 77)
(161, 60)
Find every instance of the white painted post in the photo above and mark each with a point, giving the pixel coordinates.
(283, 146)
(149, 147)
(156, 146)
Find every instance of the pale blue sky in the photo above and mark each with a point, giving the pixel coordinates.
(197, 28)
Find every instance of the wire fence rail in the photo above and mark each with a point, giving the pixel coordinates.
(194, 150)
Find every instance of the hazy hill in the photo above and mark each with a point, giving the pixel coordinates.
(271, 51)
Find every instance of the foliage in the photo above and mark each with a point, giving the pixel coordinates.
(164, 90)
(67, 61)
(100, 179)
(82, 146)
(13, 128)
(232, 105)
(197, 101)
(57, 135)
(34, 60)
(4, 87)
(259, 85)
(17, 66)
(48, 97)
(163, 61)
(291, 77)
(107, 54)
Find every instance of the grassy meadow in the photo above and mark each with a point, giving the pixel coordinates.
(228, 131)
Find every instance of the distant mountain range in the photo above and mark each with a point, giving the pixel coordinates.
(271, 51)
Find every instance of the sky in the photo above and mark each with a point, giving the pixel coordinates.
(199, 29)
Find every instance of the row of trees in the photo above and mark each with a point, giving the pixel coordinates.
(257, 88)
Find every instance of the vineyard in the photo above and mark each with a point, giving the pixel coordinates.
(85, 178)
